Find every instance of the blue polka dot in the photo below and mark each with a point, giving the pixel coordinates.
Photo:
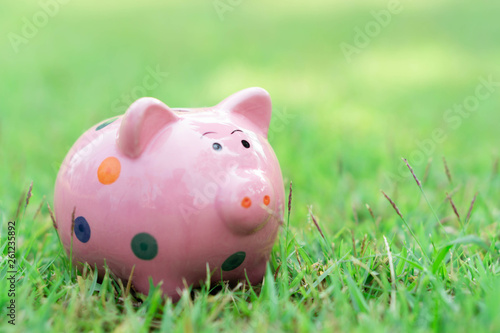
(234, 261)
(144, 246)
(82, 229)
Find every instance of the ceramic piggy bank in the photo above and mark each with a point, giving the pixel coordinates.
(171, 191)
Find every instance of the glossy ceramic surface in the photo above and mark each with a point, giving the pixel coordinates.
(170, 190)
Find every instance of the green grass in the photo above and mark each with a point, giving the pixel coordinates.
(348, 126)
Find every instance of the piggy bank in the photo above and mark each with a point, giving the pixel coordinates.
(174, 192)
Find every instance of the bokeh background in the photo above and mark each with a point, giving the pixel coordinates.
(342, 120)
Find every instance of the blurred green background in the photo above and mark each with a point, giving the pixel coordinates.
(340, 124)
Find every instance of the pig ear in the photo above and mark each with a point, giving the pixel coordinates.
(252, 103)
(142, 121)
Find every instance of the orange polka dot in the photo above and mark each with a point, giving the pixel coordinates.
(109, 170)
(267, 200)
(246, 202)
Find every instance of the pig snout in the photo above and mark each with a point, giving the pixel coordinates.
(246, 203)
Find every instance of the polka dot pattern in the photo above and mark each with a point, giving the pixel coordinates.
(234, 261)
(246, 202)
(82, 229)
(144, 246)
(104, 124)
(109, 170)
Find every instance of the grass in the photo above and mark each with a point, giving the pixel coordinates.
(345, 260)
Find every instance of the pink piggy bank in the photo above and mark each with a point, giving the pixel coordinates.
(171, 191)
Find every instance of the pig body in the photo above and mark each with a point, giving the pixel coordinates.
(172, 190)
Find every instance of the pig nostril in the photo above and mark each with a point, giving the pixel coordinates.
(267, 200)
(246, 202)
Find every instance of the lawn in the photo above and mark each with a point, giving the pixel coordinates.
(356, 87)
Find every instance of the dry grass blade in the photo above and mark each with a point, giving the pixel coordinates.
(289, 200)
(469, 213)
(406, 224)
(413, 173)
(353, 244)
(363, 244)
(453, 206)
(277, 215)
(447, 170)
(19, 204)
(371, 211)
(427, 169)
(28, 196)
(340, 166)
(298, 256)
(392, 204)
(316, 224)
(277, 271)
(393, 276)
(425, 196)
(54, 223)
(494, 169)
(220, 307)
(39, 208)
(73, 221)
(454, 191)
(355, 214)
(71, 243)
(356, 262)
(290, 191)
(129, 282)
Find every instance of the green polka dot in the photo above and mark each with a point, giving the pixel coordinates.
(106, 123)
(234, 261)
(144, 246)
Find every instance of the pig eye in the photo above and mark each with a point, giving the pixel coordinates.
(216, 146)
(245, 143)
